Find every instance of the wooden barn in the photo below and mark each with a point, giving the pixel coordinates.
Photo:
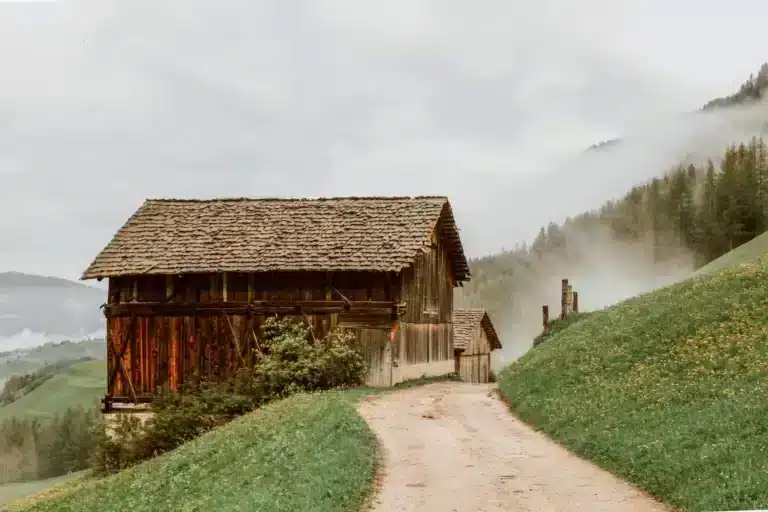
(474, 338)
(190, 282)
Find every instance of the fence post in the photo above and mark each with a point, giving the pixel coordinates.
(564, 299)
(575, 302)
(545, 317)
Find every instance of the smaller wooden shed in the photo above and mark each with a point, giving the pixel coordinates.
(474, 338)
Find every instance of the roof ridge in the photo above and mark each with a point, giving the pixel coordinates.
(292, 199)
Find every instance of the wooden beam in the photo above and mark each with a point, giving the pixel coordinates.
(224, 286)
(241, 308)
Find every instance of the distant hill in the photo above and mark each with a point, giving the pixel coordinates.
(605, 144)
(47, 307)
(751, 91)
(28, 360)
(80, 384)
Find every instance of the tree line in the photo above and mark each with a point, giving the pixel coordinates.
(33, 448)
(698, 212)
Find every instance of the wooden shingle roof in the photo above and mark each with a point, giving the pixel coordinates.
(465, 322)
(180, 236)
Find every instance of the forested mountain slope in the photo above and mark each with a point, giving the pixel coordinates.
(656, 234)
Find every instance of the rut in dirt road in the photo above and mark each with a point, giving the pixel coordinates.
(453, 446)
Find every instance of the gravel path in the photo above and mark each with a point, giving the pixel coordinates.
(452, 446)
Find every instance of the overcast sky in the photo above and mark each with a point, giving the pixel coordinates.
(104, 103)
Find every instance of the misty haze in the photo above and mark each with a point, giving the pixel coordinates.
(288, 207)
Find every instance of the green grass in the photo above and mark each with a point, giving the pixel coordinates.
(425, 380)
(667, 390)
(309, 452)
(80, 384)
(742, 254)
(559, 324)
(28, 360)
(17, 491)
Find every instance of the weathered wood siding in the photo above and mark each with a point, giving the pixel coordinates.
(427, 286)
(425, 340)
(170, 350)
(377, 349)
(474, 363)
(422, 350)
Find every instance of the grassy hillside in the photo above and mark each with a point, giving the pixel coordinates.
(18, 362)
(742, 254)
(308, 453)
(17, 491)
(81, 384)
(667, 390)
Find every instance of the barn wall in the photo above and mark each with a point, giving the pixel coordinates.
(171, 350)
(424, 344)
(479, 344)
(475, 362)
(427, 287)
(422, 350)
(163, 350)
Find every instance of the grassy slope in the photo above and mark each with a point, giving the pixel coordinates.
(27, 361)
(81, 384)
(16, 491)
(308, 453)
(559, 324)
(666, 389)
(742, 254)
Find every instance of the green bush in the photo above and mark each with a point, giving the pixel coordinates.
(288, 361)
(292, 362)
(121, 450)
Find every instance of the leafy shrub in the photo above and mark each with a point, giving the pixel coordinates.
(120, 450)
(288, 361)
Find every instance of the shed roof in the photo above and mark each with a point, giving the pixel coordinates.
(465, 322)
(180, 236)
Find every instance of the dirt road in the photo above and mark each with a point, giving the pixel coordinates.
(452, 446)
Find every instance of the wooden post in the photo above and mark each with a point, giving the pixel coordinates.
(224, 286)
(545, 317)
(575, 302)
(569, 299)
(564, 299)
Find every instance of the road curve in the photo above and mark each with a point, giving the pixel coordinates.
(452, 446)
